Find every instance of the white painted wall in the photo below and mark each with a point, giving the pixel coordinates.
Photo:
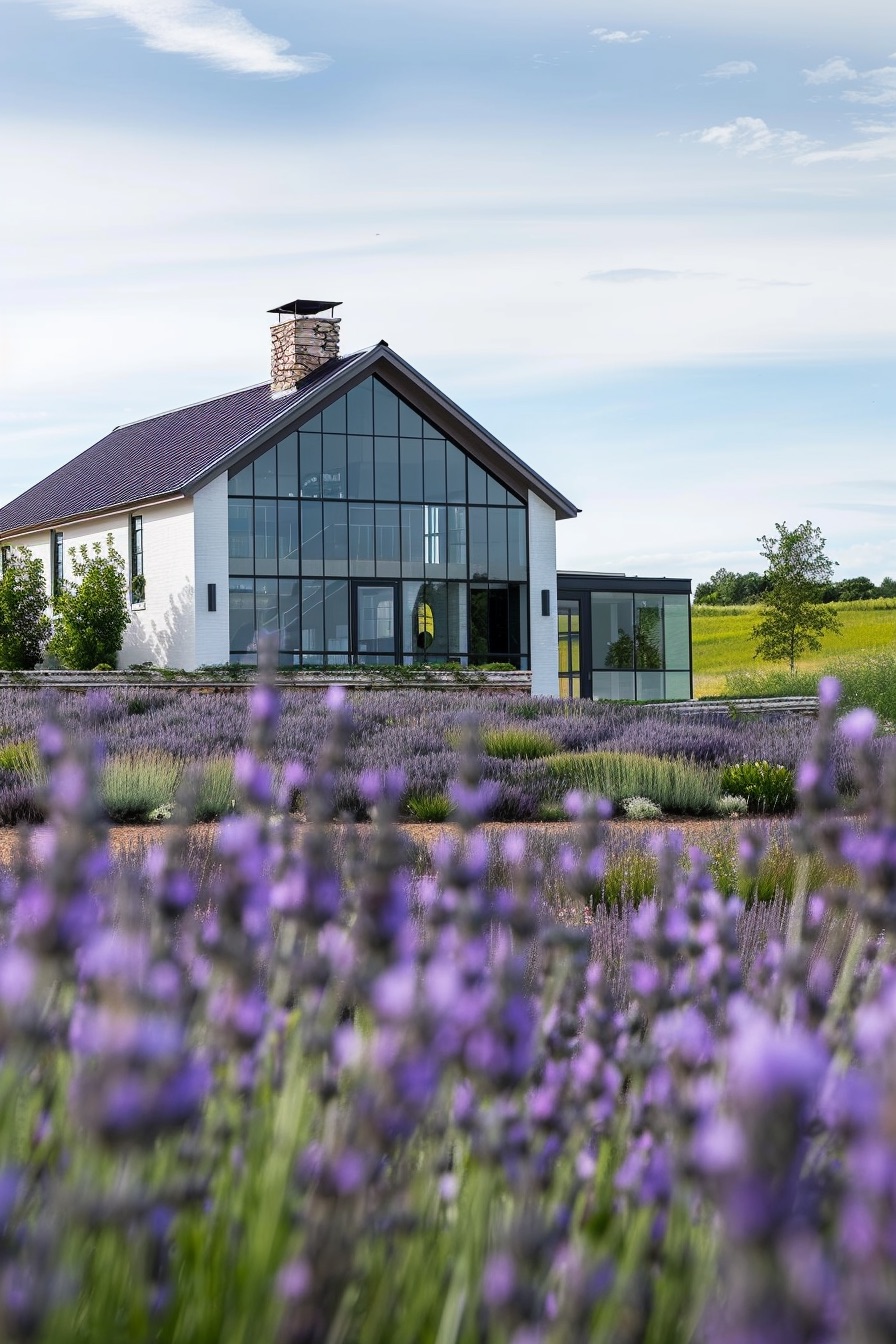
(542, 574)
(212, 565)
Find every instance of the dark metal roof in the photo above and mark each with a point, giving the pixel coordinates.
(580, 581)
(180, 451)
(306, 307)
(159, 456)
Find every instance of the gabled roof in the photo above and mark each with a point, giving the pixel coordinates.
(179, 451)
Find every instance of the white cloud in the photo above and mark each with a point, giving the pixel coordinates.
(879, 88)
(731, 70)
(831, 72)
(751, 135)
(221, 36)
(617, 35)
(632, 274)
(882, 149)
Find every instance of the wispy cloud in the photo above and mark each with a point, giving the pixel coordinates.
(210, 32)
(879, 148)
(731, 70)
(632, 274)
(833, 71)
(617, 35)
(752, 135)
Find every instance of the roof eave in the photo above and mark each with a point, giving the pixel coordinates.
(94, 515)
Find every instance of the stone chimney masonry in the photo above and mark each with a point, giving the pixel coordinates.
(299, 346)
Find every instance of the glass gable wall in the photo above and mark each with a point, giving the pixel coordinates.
(367, 536)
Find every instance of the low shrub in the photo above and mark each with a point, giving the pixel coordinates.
(732, 805)
(526, 744)
(217, 794)
(138, 704)
(132, 787)
(641, 809)
(868, 680)
(21, 758)
(428, 806)
(766, 787)
(675, 785)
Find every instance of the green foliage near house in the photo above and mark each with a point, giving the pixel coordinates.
(24, 623)
(793, 618)
(91, 614)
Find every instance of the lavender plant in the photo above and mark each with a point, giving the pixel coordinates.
(305, 1087)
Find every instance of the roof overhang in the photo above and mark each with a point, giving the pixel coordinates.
(441, 410)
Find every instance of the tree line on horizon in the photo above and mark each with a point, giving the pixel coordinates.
(726, 588)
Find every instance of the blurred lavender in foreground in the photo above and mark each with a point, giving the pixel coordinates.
(314, 1087)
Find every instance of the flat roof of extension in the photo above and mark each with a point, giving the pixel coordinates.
(592, 582)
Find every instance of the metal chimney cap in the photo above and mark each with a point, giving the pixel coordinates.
(305, 307)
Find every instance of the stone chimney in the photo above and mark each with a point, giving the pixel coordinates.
(301, 341)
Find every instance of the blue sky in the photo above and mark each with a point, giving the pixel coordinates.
(652, 250)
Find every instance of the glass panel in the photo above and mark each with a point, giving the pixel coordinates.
(612, 634)
(359, 408)
(312, 538)
(412, 539)
(456, 463)
(476, 482)
(360, 466)
(336, 620)
(649, 635)
(479, 624)
(288, 467)
(430, 431)
(334, 466)
(678, 685)
(241, 483)
(412, 595)
(267, 606)
(514, 604)
(513, 502)
(457, 542)
(289, 615)
(288, 537)
(309, 464)
(409, 422)
(516, 544)
(651, 685)
(265, 537)
(385, 409)
(333, 417)
(457, 620)
(360, 540)
(313, 425)
(313, 617)
(434, 471)
(497, 543)
(266, 473)
(613, 685)
(434, 541)
(498, 622)
(376, 621)
(387, 469)
(388, 540)
(240, 534)
(412, 468)
(478, 543)
(336, 538)
(675, 620)
(496, 492)
(242, 614)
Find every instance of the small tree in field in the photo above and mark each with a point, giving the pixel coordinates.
(24, 623)
(793, 618)
(91, 614)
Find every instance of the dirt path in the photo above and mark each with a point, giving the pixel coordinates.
(705, 832)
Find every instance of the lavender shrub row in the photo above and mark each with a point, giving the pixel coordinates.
(317, 1097)
(414, 731)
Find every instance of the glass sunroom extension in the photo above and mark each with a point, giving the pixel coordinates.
(622, 638)
(367, 536)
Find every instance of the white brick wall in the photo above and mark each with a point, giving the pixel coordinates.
(211, 566)
(542, 574)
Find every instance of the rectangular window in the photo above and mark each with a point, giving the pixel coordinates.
(497, 543)
(310, 464)
(434, 471)
(288, 536)
(242, 615)
(312, 538)
(478, 543)
(359, 408)
(336, 620)
(386, 468)
(288, 467)
(4, 558)
(434, 541)
(385, 409)
(312, 621)
(266, 473)
(412, 540)
(361, 540)
(649, 637)
(360, 466)
(675, 621)
(241, 483)
(456, 464)
(516, 545)
(457, 541)
(138, 582)
(333, 466)
(335, 538)
(612, 637)
(241, 543)
(290, 622)
(267, 612)
(388, 541)
(411, 468)
(57, 564)
(265, 536)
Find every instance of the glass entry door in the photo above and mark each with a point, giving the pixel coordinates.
(376, 628)
(569, 650)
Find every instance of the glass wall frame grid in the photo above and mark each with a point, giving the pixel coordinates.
(327, 504)
(640, 667)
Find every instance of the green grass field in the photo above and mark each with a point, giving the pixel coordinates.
(723, 644)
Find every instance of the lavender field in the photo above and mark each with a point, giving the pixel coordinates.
(536, 750)
(296, 1086)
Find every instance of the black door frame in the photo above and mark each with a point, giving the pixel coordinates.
(393, 584)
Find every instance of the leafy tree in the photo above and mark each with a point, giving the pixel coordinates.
(793, 619)
(887, 587)
(727, 589)
(24, 623)
(91, 615)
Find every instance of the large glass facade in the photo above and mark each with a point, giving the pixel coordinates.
(367, 536)
(640, 646)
